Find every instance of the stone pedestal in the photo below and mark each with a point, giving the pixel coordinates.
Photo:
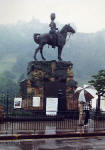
(49, 79)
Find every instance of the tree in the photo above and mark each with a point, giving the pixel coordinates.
(8, 90)
(99, 83)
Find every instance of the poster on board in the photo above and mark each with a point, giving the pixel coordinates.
(17, 102)
(51, 106)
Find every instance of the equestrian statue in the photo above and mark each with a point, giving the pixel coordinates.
(54, 38)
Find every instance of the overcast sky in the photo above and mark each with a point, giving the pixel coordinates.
(87, 15)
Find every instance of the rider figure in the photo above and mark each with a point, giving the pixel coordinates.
(53, 29)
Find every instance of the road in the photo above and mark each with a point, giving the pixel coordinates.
(96, 143)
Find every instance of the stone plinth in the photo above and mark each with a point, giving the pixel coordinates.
(48, 79)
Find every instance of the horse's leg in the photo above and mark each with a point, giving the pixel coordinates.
(36, 51)
(59, 53)
(41, 52)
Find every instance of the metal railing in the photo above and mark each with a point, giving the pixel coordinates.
(20, 121)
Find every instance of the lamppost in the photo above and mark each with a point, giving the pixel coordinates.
(98, 102)
(7, 97)
(61, 102)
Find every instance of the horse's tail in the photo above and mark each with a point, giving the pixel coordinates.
(36, 37)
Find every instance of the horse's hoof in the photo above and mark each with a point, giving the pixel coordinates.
(44, 59)
(35, 59)
(60, 59)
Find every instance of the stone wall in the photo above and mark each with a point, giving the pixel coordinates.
(39, 74)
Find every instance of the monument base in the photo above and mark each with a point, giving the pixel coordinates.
(49, 80)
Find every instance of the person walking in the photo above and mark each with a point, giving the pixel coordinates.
(80, 107)
(86, 109)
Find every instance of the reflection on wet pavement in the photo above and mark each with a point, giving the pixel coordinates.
(97, 143)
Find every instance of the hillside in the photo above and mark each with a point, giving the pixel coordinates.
(86, 51)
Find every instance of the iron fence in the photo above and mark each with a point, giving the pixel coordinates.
(20, 121)
(36, 121)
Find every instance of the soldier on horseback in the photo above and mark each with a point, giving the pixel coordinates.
(52, 38)
(53, 29)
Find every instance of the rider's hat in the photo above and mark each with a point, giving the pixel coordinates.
(52, 16)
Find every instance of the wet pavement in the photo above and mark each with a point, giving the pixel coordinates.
(96, 143)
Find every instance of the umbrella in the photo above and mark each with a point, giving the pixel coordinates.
(85, 93)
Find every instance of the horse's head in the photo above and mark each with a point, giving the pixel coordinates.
(67, 28)
(70, 29)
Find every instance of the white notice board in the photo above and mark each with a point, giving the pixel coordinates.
(36, 101)
(51, 106)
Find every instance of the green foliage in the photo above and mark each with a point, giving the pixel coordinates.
(17, 49)
(8, 88)
(99, 82)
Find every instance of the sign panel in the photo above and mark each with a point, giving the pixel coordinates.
(36, 101)
(17, 102)
(102, 104)
(51, 106)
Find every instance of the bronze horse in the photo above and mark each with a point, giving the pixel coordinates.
(43, 39)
